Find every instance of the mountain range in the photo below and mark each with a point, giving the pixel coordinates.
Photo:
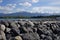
(26, 14)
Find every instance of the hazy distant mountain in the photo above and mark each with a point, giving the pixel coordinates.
(25, 14)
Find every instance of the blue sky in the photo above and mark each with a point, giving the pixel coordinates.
(40, 6)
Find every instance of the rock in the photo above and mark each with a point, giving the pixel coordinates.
(34, 29)
(29, 24)
(30, 36)
(15, 28)
(23, 30)
(47, 38)
(13, 25)
(43, 36)
(5, 23)
(16, 21)
(18, 38)
(21, 23)
(39, 31)
(58, 38)
(29, 30)
(2, 35)
(18, 26)
(8, 29)
(11, 38)
(2, 27)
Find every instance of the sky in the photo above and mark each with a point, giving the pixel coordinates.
(33, 6)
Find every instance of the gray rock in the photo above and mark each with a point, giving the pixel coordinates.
(2, 27)
(15, 28)
(5, 23)
(29, 30)
(2, 35)
(8, 29)
(31, 23)
(18, 38)
(30, 36)
(21, 23)
(23, 30)
(43, 36)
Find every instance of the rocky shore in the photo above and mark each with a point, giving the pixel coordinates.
(29, 30)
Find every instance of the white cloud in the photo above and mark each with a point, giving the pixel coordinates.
(1, 1)
(8, 8)
(19, 10)
(5, 9)
(55, 3)
(26, 4)
(46, 9)
(35, 1)
(11, 5)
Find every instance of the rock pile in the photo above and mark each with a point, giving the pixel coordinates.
(29, 30)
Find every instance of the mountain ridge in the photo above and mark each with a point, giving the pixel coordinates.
(26, 14)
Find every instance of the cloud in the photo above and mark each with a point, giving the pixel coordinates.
(5, 9)
(55, 3)
(8, 8)
(19, 10)
(16, 10)
(25, 4)
(1, 1)
(46, 9)
(35, 1)
(11, 5)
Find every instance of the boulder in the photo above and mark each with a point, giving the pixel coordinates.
(30, 36)
(2, 35)
(18, 38)
(2, 27)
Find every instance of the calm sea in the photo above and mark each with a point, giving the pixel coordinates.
(32, 19)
